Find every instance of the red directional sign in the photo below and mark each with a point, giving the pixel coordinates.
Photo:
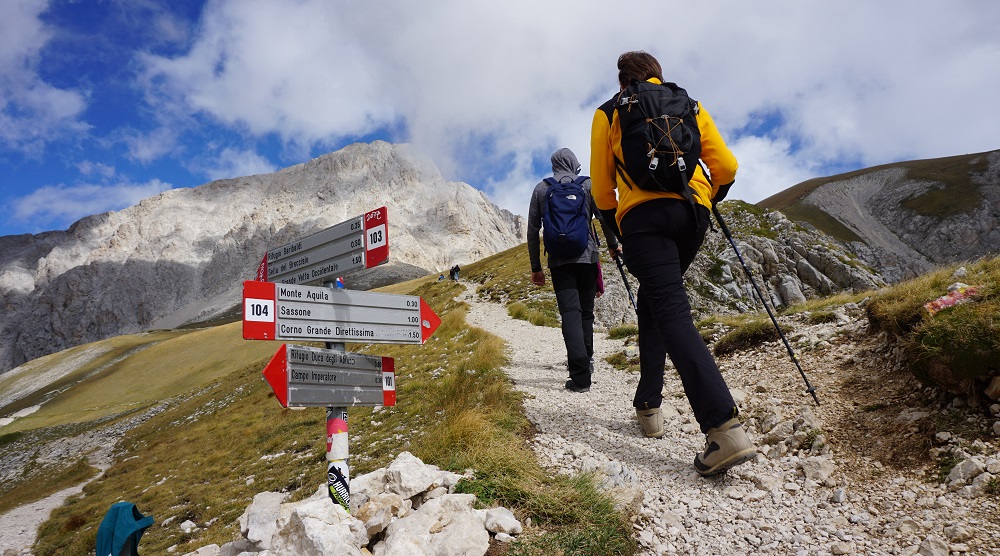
(289, 312)
(361, 242)
(311, 377)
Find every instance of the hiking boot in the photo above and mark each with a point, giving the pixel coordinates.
(573, 387)
(725, 446)
(651, 421)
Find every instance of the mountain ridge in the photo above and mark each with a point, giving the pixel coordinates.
(905, 218)
(178, 258)
(182, 255)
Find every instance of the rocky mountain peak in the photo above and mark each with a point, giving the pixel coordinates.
(181, 256)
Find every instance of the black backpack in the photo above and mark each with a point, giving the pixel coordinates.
(660, 143)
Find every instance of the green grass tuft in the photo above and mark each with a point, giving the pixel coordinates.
(957, 348)
(753, 332)
(520, 311)
(621, 331)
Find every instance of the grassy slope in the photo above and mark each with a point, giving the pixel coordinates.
(956, 193)
(958, 348)
(224, 438)
(141, 370)
(82, 362)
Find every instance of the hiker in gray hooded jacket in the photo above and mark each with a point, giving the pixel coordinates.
(574, 280)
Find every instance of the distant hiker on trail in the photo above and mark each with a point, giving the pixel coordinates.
(662, 211)
(562, 207)
(454, 272)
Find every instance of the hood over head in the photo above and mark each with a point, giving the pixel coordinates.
(565, 164)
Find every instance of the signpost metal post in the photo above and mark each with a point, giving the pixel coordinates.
(338, 473)
(338, 449)
(333, 378)
(279, 306)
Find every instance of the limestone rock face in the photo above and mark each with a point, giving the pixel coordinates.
(909, 220)
(789, 263)
(181, 256)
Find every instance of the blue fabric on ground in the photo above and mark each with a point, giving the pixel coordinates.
(121, 529)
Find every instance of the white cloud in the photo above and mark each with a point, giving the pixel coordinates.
(62, 205)
(32, 112)
(269, 67)
(152, 145)
(88, 168)
(473, 84)
(766, 167)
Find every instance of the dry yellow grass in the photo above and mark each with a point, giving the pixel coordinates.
(168, 363)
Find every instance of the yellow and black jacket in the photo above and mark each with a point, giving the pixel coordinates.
(605, 145)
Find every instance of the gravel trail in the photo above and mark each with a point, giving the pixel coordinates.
(829, 498)
(20, 525)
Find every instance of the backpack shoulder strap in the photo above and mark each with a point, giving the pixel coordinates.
(580, 179)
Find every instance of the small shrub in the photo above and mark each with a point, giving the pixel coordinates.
(520, 311)
(993, 486)
(623, 331)
(751, 333)
(822, 317)
(623, 362)
(945, 465)
(9, 438)
(956, 347)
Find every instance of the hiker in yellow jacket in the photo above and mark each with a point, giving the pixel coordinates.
(661, 233)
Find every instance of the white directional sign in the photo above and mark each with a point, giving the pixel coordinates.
(311, 377)
(361, 242)
(289, 312)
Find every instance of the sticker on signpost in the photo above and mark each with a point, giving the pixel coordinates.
(376, 237)
(259, 310)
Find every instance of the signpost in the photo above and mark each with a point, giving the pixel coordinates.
(312, 377)
(361, 242)
(287, 312)
(279, 306)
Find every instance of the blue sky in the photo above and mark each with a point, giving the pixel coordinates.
(106, 102)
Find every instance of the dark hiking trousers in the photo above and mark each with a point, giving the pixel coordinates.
(575, 286)
(660, 239)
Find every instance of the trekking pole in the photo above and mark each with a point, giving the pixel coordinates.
(621, 268)
(725, 229)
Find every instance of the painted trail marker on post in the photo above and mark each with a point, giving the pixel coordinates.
(303, 376)
(288, 312)
(361, 242)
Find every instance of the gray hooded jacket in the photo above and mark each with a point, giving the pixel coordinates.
(565, 168)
